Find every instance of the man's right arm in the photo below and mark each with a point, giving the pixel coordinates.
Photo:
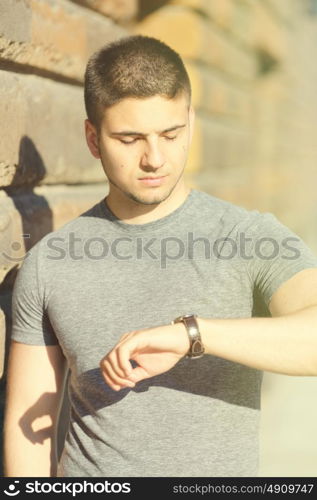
(35, 381)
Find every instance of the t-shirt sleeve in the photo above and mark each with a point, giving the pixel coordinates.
(277, 253)
(30, 322)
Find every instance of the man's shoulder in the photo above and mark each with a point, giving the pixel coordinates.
(82, 220)
(211, 207)
(79, 225)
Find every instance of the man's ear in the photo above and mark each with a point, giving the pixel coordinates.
(191, 122)
(92, 138)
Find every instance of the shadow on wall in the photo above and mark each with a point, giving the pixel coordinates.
(36, 219)
(35, 214)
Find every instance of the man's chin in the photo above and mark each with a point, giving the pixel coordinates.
(153, 200)
(150, 198)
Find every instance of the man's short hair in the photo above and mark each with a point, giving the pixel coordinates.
(135, 66)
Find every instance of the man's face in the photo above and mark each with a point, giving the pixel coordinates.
(143, 146)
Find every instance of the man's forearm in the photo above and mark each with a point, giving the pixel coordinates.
(34, 387)
(26, 457)
(285, 344)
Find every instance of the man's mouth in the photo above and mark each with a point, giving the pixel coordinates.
(153, 181)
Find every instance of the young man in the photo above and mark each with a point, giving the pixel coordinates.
(153, 393)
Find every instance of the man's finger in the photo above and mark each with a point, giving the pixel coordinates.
(107, 370)
(110, 383)
(123, 353)
(116, 363)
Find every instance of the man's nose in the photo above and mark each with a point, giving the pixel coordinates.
(153, 156)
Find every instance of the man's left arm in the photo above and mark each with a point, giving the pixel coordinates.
(286, 343)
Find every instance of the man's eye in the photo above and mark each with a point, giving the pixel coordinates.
(131, 141)
(170, 138)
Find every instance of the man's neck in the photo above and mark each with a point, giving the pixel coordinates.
(132, 212)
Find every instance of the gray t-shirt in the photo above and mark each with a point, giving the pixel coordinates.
(96, 278)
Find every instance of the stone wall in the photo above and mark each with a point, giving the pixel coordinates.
(47, 175)
(254, 75)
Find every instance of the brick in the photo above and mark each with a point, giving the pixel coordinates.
(221, 152)
(219, 147)
(267, 32)
(225, 146)
(221, 11)
(227, 14)
(217, 95)
(242, 21)
(44, 139)
(171, 22)
(36, 213)
(56, 38)
(11, 15)
(122, 11)
(2, 341)
(287, 10)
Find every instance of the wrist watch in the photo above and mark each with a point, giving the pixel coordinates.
(196, 349)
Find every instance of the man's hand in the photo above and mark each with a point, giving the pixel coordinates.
(155, 350)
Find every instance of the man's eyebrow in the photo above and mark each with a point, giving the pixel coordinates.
(130, 132)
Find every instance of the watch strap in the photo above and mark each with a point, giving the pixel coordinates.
(196, 349)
